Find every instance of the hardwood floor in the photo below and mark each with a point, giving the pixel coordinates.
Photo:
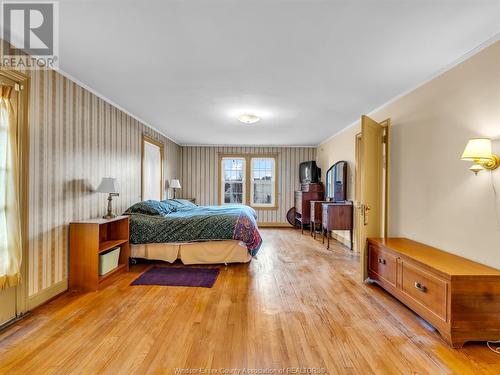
(297, 305)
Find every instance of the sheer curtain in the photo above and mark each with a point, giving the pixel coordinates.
(10, 225)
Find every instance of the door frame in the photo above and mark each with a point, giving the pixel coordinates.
(386, 165)
(23, 88)
(357, 192)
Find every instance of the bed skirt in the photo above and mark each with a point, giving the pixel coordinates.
(206, 252)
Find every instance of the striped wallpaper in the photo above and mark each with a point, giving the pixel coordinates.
(200, 174)
(75, 139)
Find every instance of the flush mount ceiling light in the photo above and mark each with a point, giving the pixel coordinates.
(248, 118)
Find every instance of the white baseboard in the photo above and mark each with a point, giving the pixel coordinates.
(46, 294)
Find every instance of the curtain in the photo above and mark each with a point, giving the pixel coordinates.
(10, 224)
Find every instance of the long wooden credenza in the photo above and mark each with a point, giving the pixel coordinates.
(459, 297)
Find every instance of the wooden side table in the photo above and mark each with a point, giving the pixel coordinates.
(316, 216)
(87, 240)
(337, 216)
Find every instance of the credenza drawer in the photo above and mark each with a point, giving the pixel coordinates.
(383, 265)
(424, 288)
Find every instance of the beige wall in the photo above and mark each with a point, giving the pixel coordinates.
(434, 198)
(341, 147)
(200, 171)
(75, 139)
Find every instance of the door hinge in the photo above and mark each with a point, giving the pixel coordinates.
(384, 139)
(18, 87)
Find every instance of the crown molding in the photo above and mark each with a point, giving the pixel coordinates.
(245, 145)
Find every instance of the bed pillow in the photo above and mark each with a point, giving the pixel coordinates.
(179, 204)
(150, 207)
(186, 203)
(171, 204)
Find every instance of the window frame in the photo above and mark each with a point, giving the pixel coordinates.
(274, 185)
(222, 181)
(247, 181)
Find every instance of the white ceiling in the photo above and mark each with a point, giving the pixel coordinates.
(308, 67)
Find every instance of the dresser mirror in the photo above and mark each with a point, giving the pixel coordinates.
(336, 182)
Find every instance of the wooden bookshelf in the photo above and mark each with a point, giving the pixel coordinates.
(90, 238)
(106, 245)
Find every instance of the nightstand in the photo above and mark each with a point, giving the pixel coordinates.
(89, 239)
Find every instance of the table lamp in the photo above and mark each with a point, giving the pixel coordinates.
(175, 184)
(109, 186)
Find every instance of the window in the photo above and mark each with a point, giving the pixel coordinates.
(263, 177)
(255, 185)
(233, 180)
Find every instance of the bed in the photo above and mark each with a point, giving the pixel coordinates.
(178, 229)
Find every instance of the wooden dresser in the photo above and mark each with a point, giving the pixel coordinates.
(336, 216)
(309, 192)
(459, 297)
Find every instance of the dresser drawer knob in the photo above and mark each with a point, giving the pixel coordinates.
(381, 261)
(420, 287)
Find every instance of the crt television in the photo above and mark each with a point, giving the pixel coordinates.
(309, 173)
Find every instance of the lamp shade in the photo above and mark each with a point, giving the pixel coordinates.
(478, 150)
(175, 184)
(108, 185)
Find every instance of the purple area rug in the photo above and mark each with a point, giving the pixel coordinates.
(167, 276)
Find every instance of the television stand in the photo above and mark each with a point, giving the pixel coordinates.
(303, 198)
(312, 187)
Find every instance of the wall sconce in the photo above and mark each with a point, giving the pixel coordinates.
(478, 150)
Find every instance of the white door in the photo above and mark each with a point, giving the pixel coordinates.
(152, 169)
